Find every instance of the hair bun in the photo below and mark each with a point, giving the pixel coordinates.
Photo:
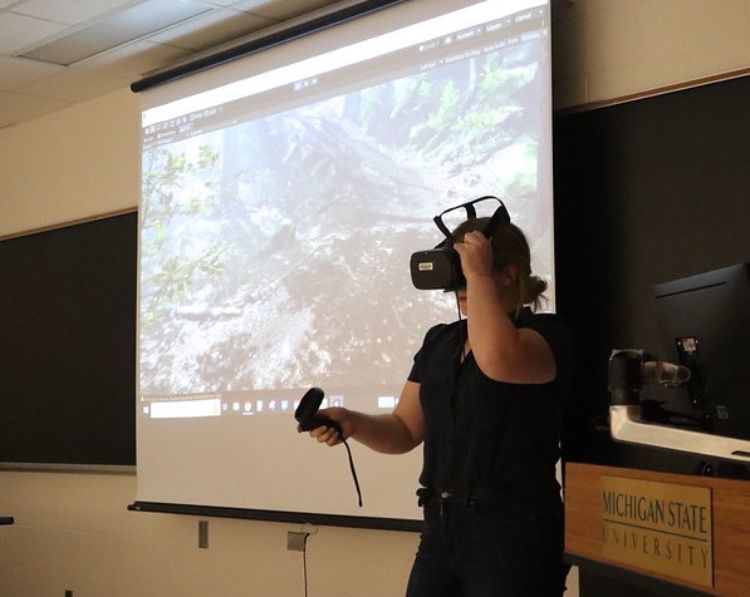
(536, 286)
(533, 290)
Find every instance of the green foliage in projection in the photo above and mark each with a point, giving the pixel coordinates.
(448, 110)
(526, 176)
(175, 188)
(490, 87)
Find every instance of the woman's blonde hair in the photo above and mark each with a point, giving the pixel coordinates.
(510, 247)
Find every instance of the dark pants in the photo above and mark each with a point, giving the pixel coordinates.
(466, 551)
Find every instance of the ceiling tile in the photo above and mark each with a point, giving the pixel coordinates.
(280, 9)
(30, 88)
(134, 59)
(19, 31)
(71, 12)
(15, 107)
(122, 27)
(15, 72)
(211, 30)
(72, 85)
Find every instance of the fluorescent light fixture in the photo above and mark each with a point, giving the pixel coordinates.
(115, 30)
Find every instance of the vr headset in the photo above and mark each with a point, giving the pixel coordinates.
(440, 268)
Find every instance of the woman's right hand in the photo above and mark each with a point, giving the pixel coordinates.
(393, 433)
(329, 435)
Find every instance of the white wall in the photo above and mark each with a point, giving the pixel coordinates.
(73, 531)
(76, 163)
(605, 49)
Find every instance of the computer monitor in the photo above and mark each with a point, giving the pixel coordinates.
(705, 323)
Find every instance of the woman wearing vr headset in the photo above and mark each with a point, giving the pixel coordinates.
(485, 395)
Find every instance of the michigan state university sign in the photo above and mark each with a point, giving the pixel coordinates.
(662, 527)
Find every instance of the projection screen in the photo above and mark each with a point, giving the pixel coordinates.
(282, 196)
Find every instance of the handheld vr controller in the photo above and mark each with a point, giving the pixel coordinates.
(307, 415)
(308, 418)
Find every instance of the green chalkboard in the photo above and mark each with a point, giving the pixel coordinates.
(67, 344)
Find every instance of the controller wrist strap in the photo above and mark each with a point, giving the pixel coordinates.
(354, 472)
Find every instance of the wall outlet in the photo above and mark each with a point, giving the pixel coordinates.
(203, 534)
(296, 541)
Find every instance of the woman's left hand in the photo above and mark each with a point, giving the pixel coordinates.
(476, 255)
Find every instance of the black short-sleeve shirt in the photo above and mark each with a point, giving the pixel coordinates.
(495, 437)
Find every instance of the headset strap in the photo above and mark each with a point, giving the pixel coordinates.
(499, 218)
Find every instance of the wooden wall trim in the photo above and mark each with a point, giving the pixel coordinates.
(656, 91)
(109, 214)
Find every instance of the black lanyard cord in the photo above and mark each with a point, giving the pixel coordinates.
(354, 472)
(464, 335)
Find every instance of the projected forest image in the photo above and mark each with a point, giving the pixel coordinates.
(275, 253)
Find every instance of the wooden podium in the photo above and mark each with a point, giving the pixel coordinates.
(672, 534)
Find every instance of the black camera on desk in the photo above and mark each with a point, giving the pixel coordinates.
(439, 268)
